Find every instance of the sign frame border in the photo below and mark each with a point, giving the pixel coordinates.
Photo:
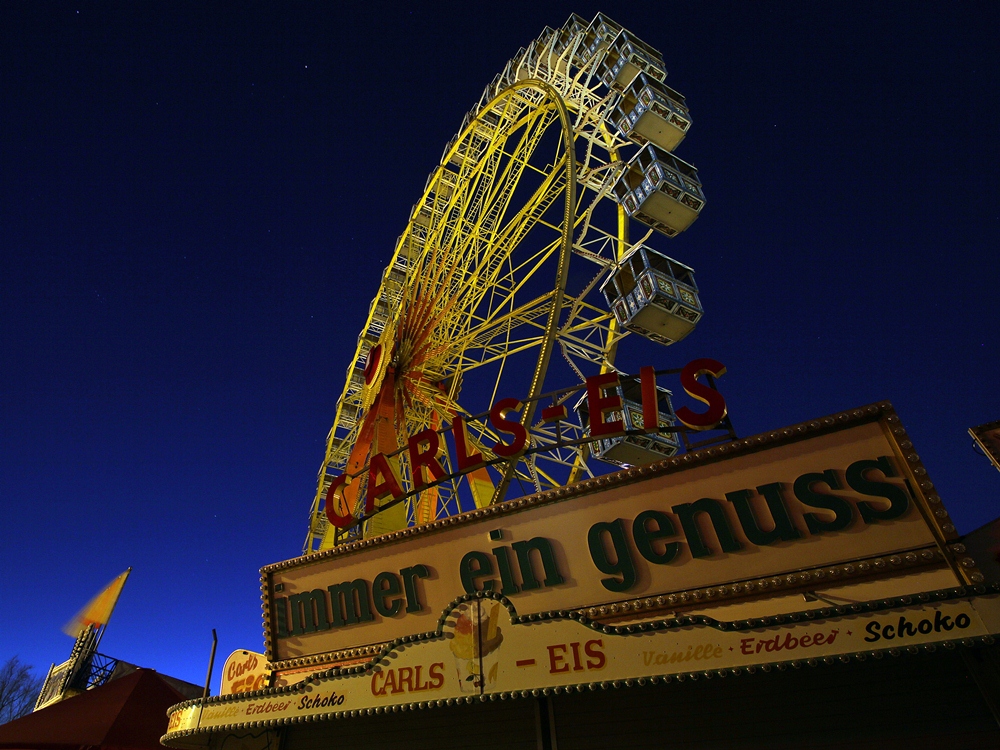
(928, 503)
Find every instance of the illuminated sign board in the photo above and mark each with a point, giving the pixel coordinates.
(243, 672)
(763, 511)
(483, 650)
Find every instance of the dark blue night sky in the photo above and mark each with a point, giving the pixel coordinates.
(197, 202)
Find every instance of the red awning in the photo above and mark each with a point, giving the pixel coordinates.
(129, 713)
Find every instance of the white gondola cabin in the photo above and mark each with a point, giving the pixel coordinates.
(627, 56)
(650, 111)
(598, 37)
(633, 450)
(653, 295)
(660, 190)
(568, 35)
(544, 56)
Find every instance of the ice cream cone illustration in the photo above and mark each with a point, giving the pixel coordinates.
(476, 642)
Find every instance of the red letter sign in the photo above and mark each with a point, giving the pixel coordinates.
(381, 468)
(428, 458)
(597, 403)
(498, 418)
(716, 403)
(332, 496)
(465, 458)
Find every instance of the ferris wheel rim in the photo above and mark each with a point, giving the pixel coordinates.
(545, 354)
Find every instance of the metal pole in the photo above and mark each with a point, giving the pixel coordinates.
(208, 677)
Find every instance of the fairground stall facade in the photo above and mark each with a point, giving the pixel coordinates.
(800, 588)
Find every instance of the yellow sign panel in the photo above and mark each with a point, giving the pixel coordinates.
(829, 492)
(485, 650)
(243, 672)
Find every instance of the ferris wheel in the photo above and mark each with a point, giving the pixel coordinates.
(517, 276)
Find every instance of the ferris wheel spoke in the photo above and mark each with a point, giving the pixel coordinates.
(485, 330)
(517, 278)
(517, 162)
(492, 190)
(500, 354)
(592, 332)
(508, 237)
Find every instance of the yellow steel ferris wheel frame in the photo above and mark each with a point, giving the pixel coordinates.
(478, 281)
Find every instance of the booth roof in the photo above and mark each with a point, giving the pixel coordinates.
(128, 713)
